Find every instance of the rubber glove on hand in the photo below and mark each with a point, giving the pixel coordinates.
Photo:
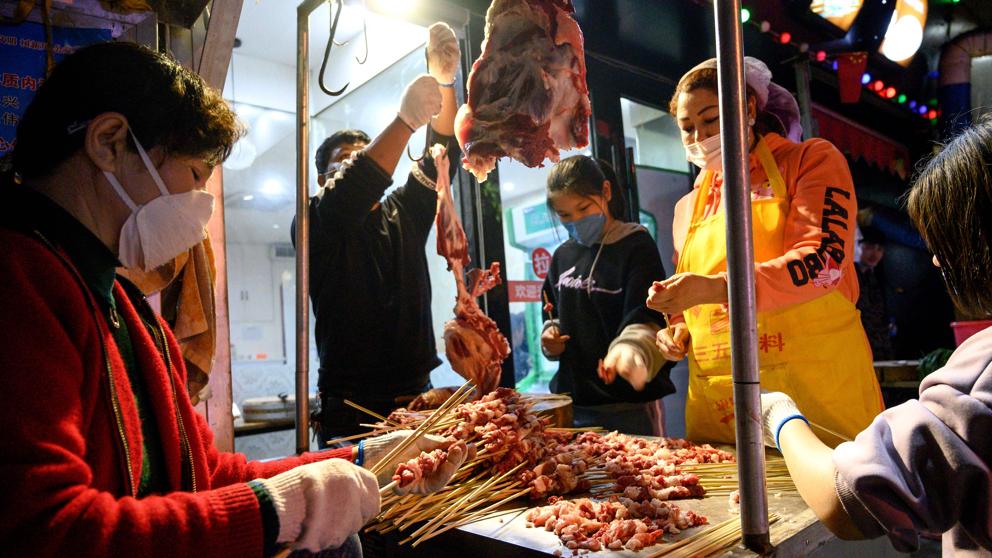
(458, 452)
(777, 409)
(442, 53)
(320, 504)
(629, 363)
(421, 101)
(673, 342)
(375, 449)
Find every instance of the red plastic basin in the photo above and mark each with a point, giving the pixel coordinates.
(964, 330)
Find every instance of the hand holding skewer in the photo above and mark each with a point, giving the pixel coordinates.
(552, 341)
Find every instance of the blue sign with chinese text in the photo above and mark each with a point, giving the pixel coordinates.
(22, 50)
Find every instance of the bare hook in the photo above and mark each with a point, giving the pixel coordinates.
(365, 33)
(327, 52)
(410, 155)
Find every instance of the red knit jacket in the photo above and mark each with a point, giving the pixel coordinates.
(70, 453)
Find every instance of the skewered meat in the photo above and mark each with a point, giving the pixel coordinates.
(473, 343)
(615, 524)
(424, 465)
(641, 475)
(527, 93)
(432, 399)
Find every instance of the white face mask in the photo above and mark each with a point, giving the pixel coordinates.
(705, 154)
(163, 228)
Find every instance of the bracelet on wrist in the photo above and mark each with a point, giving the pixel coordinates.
(785, 421)
(407, 124)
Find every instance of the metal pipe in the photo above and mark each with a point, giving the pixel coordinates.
(801, 66)
(740, 274)
(303, 224)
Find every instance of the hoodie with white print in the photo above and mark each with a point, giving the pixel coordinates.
(598, 293)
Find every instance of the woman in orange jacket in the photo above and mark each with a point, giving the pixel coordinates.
(811, 342)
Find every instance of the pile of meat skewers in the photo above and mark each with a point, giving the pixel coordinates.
(616, 524)
(636, 479)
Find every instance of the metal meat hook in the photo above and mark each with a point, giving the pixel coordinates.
(410, 155)
(327, 52)
(365, 33)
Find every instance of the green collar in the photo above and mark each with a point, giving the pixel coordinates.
(95, 262)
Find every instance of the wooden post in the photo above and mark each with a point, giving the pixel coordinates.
(211, 62)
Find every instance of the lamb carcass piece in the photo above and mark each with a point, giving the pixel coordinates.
(527, 93)
(473, 343)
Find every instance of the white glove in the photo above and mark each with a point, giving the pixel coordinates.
(629, 363)
(442, 53)
(320, 504)
(457, 453)
(777, 409)
(421, 101)
(374, 449)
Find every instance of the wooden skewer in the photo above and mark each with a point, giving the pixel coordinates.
(708, 542)
(474, 516)
(461, 502)
(422, 429)
(367, 411)
(388, 488)
(359, 436)
(440, 497)
(828, 431)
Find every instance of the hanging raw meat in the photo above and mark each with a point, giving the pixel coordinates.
(527, 93)
(474, 345)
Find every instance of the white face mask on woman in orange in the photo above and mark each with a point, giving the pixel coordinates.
(158, 231)
(706, 154)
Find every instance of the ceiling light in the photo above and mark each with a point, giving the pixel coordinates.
(248, 197)
(272, 187)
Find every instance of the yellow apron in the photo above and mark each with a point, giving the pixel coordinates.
(816, 351)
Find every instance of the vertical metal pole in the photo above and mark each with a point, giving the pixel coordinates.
(303, 224)
(740, 274)
(803, 97)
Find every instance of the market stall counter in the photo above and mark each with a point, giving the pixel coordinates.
(535, 489)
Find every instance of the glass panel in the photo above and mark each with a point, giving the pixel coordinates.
(654, 135)
(981, 86)
(531, 237)
(662, 180)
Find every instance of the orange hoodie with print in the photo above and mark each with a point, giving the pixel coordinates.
(821, 219)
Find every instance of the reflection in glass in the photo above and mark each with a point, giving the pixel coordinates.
(530, 234)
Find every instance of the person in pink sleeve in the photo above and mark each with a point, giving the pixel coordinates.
(811, 342)
(923, 467)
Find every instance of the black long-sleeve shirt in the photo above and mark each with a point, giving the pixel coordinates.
(369, 281)
(594, 311)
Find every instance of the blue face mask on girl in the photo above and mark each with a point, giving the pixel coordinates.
(587, 230)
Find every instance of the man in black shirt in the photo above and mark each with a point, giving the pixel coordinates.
(369, 281)
(871, 301)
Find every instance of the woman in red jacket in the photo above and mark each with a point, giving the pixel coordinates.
(102, 452)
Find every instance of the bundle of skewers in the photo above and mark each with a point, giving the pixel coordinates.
(720, 479)
(519, 456)
(509, 439)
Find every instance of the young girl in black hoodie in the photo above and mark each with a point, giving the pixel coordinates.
(598, 326)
